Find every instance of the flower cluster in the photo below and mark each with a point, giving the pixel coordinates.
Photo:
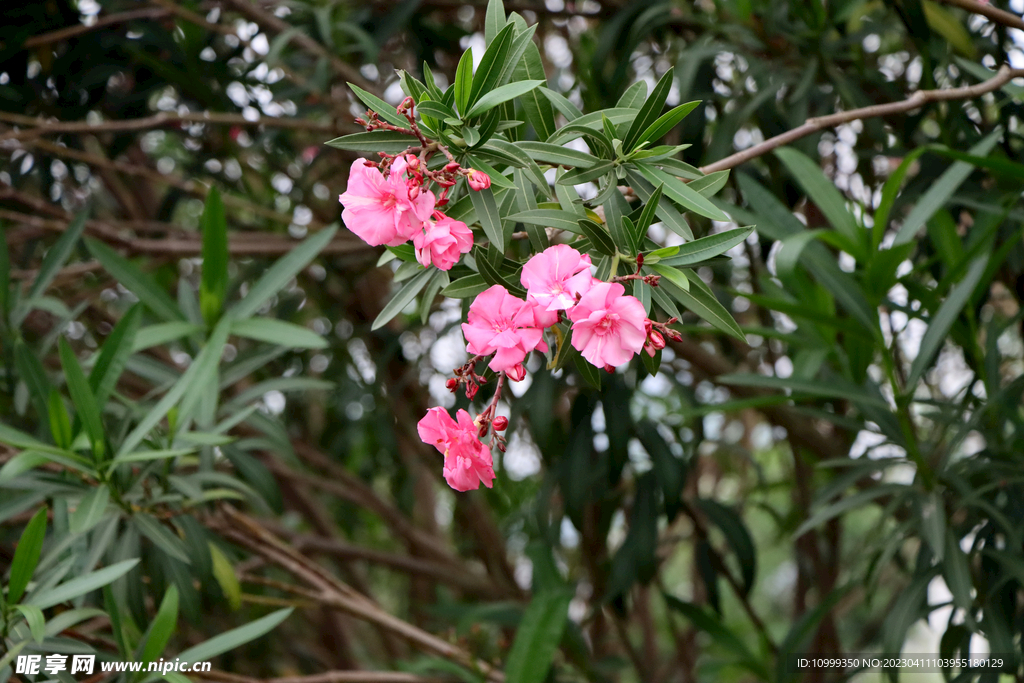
(390, 203)
(395, 208)
(608, 328)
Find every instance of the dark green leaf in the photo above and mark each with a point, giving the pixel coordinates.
(681, 193)
(493, 98)
(163, 626)
(556, 155)
(134, 280)
(374, 141)
(736, 535)
(703, 302)
(384, 110)
(26, 556)
(278, 332)
(80, 585)
(229, 640)
(113, 357)
(665, 122)
(83, 399)
(537, 637)
(598, 236)
(490, 220)
(58, 254)
(465, 287)
(706, 247)
(650, 112)
(578, 176)
(401, 299)
(552, 218)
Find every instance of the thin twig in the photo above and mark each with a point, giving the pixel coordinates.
(161, 120)
(918, 99)
(72, 31)
(994, 13)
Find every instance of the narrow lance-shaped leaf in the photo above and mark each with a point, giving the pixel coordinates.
(81, 395)
(26, 556)
(537, 638)
(650, 111)
(229, 640)
(57, 256)
(138, 283)
(163, 626)
(113, 357)
(401, 299)
(490, 220)
(214, 284)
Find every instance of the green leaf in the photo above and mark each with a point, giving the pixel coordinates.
(384, 110)
(435, 110)
(202, 368)
(490, 220)
(163, 626)
(703, 302)
(650, 112)
(569, 110)
(590, 373)
(229, 640)
(908, 607)
(536, 107)
(831, 389)
(57, 255)
(598, 236)
(31, 371)
(161, 537)
(942, 189)
(60, 423)
(35, 619)
(26, 556)
(278, 332)
(681, 193)
(81, 585)
(402, 298)
(90, 510)
(736, 535)
(493, 98)
(537, 637)
(113, 357)
(224, 573)
(162, 333)
(214, 284)
(83, 399)
(824, 194)
(375, 141)
(465, 287)
(138, 283)
(281, 273)
(494, 20)
(709, 185)
(489, 71)
(942, 321)
(464, 82)
(669, 470)
(556, 155)
(720, 633)
(676, 277)
(666, 122)
(633, 97)
(552, 218)
(578, 176)
(707, 247)
(492, 275)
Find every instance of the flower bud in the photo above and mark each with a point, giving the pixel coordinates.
(639, 260)
(500, 423)
(609, 368)
(479, 180)
(482, 432)
(452, 166)
(656, 340)
(517, 372)
(501, 447)
(471, 390)
(452, 385)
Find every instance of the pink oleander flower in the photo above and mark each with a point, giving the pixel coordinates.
(608, 325)
(504, 325)
(478, 180)
(443, 242)
(467, 461)
(385, 210)
(555, 276)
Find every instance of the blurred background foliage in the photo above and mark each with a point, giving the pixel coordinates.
(849, 479)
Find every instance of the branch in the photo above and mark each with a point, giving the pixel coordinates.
(994, 13)
(918, 99)
(163, 119)
(72, 31)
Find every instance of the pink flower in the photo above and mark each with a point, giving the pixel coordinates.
(385, 211)
(608, 326)
(443, 242)
(478, 180)
(467, 462)
(555, 276)
(504, 325)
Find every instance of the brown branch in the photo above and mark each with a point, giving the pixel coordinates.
(278, 26)
(994, 13)
(72, 31)
(161, 120)
(918, 99)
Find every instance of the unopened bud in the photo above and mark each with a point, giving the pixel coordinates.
(639, 260)
(452, 166)
(478, 180)
(452, 385)
(471, 390)
(609, 368)
(517, 372)
(500, 423)
(482, 432)
(656, 340)
(501, 447)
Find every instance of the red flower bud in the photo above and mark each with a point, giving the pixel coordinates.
(452, 166)
(501, 447)
(609, 368)
(656, 340)
(500, 423)
(516, 373)
(482, 432)
(452, 385)
(471, 390)
(639, 260)
(478, 180)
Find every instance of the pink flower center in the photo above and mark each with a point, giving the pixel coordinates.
(608, 322)
(501, 324)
